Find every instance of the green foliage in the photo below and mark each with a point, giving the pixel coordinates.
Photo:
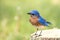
(14, 21)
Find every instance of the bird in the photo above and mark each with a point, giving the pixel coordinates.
(37, 20)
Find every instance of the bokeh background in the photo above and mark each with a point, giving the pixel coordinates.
(14, 21)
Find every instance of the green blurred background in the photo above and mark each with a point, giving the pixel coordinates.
(14, 21)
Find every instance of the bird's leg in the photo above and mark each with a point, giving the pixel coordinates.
(40, 33)
(41, 27)
(36, 32)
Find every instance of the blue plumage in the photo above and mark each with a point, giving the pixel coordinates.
(35, 12)
(37, 20)
(40, 19)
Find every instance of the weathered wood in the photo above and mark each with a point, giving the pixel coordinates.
(43, 38)
(52, 34)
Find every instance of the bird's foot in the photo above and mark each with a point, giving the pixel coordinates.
(40, 35)
(36, 34)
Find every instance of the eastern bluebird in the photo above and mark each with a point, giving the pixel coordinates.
(37, 20)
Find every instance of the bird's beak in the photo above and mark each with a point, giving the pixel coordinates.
(29, 13)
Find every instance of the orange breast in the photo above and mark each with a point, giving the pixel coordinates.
(34, 21)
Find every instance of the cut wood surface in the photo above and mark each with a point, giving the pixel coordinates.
(51, 34)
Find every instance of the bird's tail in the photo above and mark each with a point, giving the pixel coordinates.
(49, 22)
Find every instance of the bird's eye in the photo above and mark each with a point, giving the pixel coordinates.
(32, 14)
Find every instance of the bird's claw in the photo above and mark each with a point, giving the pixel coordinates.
(35, 33)
(40, 35)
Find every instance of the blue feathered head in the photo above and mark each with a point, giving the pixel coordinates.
(34, 12)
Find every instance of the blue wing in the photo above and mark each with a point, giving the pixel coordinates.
(42, 21)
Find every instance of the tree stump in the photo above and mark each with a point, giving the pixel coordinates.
(51, 34)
